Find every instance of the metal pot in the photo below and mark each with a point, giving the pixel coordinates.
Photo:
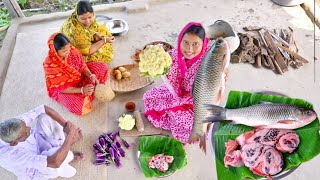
(288, 2)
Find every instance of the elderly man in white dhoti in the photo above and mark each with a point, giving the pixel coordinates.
(34, 146)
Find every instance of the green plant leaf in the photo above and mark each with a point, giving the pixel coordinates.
(309, 146)
(23, 2)
(152, 145)
(4, 23)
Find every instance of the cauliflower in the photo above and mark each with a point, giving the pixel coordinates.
(126, 122)
(154, 61)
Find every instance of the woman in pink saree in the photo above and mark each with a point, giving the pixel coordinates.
(175, 112)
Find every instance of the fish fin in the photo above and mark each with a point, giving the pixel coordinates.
(264, 102)
(286, 121)
(220, 93)
(202, 144)
(193, 138)
(260, 127)
(217, 113)
(233, 122)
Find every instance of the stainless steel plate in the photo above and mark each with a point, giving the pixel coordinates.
(117, 26)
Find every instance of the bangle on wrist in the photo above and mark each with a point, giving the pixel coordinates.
(104, 39)
(81, 90)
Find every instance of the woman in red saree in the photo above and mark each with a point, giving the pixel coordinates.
(162, 108)
(69, 80)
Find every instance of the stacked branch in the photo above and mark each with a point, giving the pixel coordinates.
(275, 49)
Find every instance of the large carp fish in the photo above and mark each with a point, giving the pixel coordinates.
(208, 86)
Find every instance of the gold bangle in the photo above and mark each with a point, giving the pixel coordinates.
(82, 90)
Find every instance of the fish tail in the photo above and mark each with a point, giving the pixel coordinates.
(217, 113)
(202, 144)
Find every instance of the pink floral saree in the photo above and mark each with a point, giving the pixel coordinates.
(163, 109)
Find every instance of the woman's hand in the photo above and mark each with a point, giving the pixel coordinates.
(97, 37)
(110, 39)
(88, 89)
(94, 79)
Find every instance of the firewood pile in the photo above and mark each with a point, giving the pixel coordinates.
(276, 50)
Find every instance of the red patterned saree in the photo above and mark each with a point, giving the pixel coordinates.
(63, 73)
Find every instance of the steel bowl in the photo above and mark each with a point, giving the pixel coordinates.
(223, 29)
(117, 27)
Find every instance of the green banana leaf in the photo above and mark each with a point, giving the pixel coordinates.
(308, 148)
(152, 145)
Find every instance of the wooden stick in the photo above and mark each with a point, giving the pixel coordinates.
(295, 55)
(258, 60)
(277, 67)
(278, 38)
(262, 37)
(278, 58)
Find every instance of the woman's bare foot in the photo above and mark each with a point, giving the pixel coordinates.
(78, 156)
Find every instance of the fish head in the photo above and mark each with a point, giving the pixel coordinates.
(221, 49)
(307, 116)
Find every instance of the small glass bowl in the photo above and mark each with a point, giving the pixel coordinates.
(130, 106)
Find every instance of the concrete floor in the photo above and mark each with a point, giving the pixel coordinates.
(24, 86)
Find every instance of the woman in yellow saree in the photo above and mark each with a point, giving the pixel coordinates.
(94, 41)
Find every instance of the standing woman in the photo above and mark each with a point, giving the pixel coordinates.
(166, 111)
(90, 38)
(69, 80)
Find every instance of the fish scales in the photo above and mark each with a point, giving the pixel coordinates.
(266, 113)
(208, 83)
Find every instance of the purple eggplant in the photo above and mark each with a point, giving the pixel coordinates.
(101, 154)
(122, 153)
(111, 151)
(125, 143)
(103, 142)
(98, 147)
(101, 162)
(118, 144)
(117, 162)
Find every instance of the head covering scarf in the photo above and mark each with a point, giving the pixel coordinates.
(58, 73)
(81, 37)
(182, 63)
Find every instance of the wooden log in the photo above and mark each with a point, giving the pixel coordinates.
(277, 67)
(235, 59)
(277, 57)
(252, 28)
(267, 62)
(291, 41)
